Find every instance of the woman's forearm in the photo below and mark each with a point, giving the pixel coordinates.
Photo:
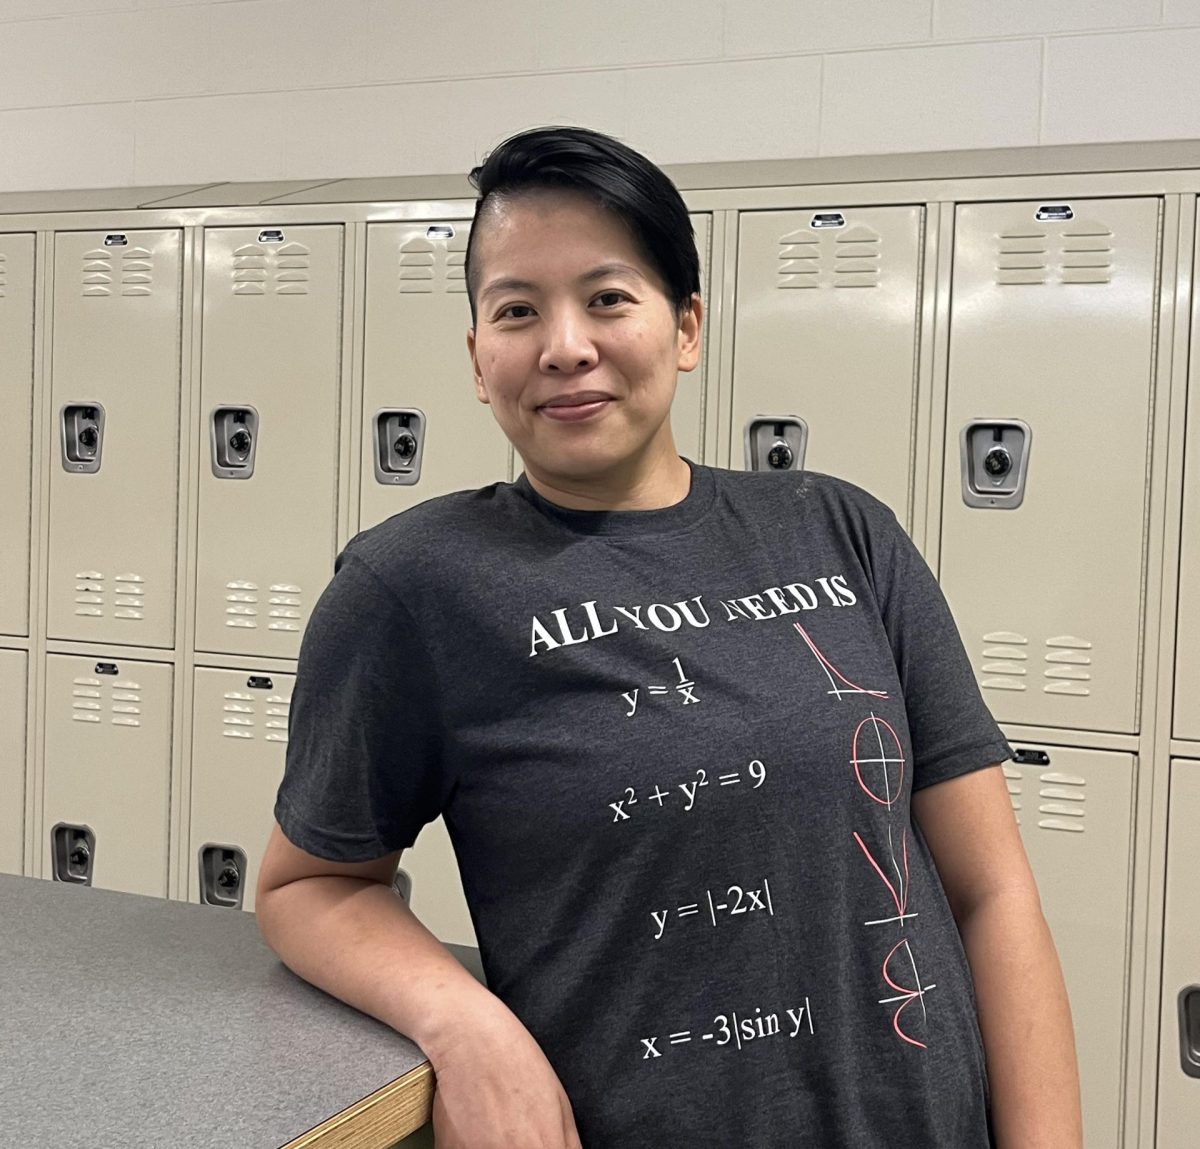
(1025, 1020)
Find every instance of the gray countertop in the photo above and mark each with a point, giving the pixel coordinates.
(130, 1022)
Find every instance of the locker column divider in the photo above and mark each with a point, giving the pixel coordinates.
(713, 341)
(935, 330)
(925, 379)
(353, 336)
(39, 528)
(1179, 238)
(723, 360)
(190, 458)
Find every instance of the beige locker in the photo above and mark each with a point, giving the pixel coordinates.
(268, 444)
(1047, 436)
(1187, 651)
(825, 344)
(437, 893)
(12, 760)
(424, 433)
(239, 743)
(1075, 810)
(16, 391)
(107, 772)
(688, 411)
(1179, 1052)
(113, 439)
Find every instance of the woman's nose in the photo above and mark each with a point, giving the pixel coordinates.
(568, 346)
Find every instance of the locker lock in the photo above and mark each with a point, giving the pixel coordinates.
(780, 456)
(233, 437)
(82, 437)
(399, 445)
(72, 854)
(775, 443)
(222, 876)
(994, 456)
(1189, 1030)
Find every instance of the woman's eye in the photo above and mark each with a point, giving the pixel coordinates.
(516, 311)
(611, 298)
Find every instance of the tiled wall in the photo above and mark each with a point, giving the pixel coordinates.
(100, 93)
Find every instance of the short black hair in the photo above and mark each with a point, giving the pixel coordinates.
(615, 177)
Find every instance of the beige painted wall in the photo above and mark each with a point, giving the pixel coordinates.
(97, 93)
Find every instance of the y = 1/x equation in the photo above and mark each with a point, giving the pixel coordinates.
(729, 1028)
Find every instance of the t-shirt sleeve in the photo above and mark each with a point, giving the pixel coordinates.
(951, 728)
(364, 769)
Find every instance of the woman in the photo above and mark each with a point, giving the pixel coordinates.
(724, 794)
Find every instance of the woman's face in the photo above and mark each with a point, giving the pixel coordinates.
(576, 346)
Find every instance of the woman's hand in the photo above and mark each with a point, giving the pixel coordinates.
(496, 1090)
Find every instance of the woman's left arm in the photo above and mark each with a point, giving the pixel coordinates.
(1024, 1015)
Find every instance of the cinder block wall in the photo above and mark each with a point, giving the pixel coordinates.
(118, 92)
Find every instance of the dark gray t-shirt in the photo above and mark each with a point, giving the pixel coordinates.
(674, 750)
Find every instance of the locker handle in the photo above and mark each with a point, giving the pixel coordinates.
(1189, 1030)
(1031, 757)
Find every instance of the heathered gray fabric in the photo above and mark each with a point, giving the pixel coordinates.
(675, 751)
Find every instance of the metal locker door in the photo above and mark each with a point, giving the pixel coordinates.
(1047, 435)
(113, 443)
(825, 344)
(424, 433)
(12, 761)
(1075, 810)
(691, 394)
(268, 450)
(1187, 652)
(437, 893)
(16, 393)
(108, 772)
(1179, 1049)
(239, 742)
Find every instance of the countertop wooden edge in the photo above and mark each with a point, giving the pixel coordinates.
(376, 1122)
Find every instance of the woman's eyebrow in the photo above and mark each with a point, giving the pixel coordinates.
(509, 283)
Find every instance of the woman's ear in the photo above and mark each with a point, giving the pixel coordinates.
(480, 390)
(691, 323)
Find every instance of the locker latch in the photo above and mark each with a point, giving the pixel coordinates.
(1031, 757)
(1189, 1030)
(234, 438)
(439, 231)
(82, 437)
(270, 235)
(222, 876)
(399, 445)
(827, 219)
(402, 884)
(995, 463)
(259, 682)
(72, 854)
(116, 240)
(106, 668)
(776, 443)
(1054, 212)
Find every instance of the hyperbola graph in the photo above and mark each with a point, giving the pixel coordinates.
(834, 675)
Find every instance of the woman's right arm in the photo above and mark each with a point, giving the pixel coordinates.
(341, 927)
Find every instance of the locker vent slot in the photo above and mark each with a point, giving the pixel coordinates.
(1063, 805)
(241, 604)
(1012, 780)
(1002, 664)
(834, 259)
(1067, 670)
(433, 262)
(3, 275)
(122, 702)
(242, 713)
(97, 272)
(129, 595)
(1080, 253)
(284, 607)
(137, 271)
(284, 270)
